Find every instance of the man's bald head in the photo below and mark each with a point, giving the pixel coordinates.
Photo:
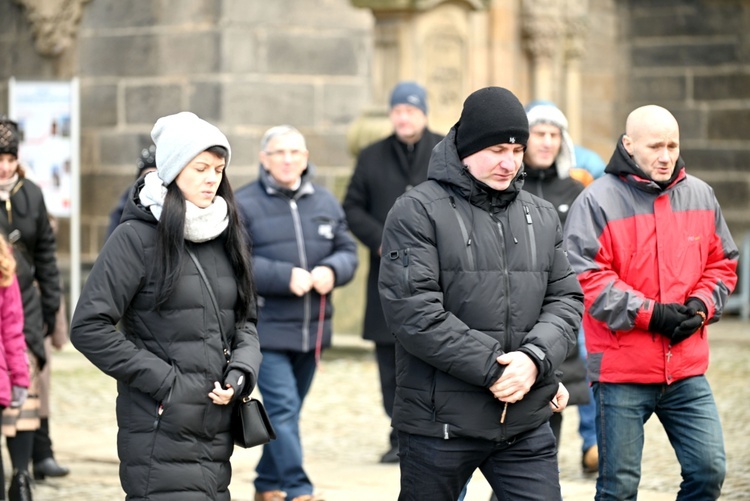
(652, 138)
(647, 117)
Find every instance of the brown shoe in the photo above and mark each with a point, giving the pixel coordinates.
(270, 496)
(308, 497)
(590, 460)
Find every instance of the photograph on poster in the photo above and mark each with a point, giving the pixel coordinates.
(42, 110)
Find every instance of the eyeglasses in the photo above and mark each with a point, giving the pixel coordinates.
(283, 153)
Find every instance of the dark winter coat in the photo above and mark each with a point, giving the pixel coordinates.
(469, 273)
(302, 229)
(561, 192)
(382, 174)
(26, 223)
(170, 357)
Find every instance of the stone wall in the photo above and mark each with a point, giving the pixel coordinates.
(244, 66)
(247, 65)
(694, 59)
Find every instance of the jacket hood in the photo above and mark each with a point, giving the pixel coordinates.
(134, 210)
(622, 164)
(271, 187)
(446, 167)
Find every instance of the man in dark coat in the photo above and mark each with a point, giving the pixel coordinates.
(385, 170)
(477, 289)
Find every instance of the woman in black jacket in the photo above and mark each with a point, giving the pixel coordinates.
(25, 222)
(180, 359)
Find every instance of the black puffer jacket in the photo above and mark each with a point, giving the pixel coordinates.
(171, 357)
(467, 274)
(36, 261)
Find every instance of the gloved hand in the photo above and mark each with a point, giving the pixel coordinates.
(668, 317)
(18, 396)
(689, 327)
(696, 305)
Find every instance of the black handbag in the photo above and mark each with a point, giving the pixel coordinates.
(250, 423)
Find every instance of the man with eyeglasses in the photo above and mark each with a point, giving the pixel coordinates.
(385, 170)
(301, 250)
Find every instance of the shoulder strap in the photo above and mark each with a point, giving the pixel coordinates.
(227, 351)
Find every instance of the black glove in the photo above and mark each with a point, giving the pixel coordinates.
(689, 327)
(696, 305)
(668, 317)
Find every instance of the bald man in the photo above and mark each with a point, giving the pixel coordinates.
(656, 263)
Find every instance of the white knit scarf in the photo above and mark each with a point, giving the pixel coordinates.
(6, 186)
(201, 225)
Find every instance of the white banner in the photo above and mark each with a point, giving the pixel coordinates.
(43, 111)
(48, 116)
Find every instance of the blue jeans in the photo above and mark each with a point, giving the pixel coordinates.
(586, 413)
(524, 468)
(587, 423)
(688, 413)
(284, 380)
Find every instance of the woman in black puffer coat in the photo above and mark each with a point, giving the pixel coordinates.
(176, 388)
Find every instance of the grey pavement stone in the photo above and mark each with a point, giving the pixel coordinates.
(344, 431)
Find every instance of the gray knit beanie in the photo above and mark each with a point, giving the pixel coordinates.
(179, 139)
(544, 112)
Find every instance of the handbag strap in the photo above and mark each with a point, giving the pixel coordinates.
(227, 351)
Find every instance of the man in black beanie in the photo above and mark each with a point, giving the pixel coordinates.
(484, 306)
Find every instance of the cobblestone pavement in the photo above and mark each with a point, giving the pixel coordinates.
(344, 431)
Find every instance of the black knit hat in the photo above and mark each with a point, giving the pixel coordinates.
(8, 136)
(491, 116)
(146, 160)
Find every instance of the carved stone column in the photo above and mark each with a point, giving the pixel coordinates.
(544, 31)
(576, 30)
(54, 24)
(430, 41)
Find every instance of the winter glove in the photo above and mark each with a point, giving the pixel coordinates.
(18, 396)
(688, 327)
(668, 317)
(696, 305)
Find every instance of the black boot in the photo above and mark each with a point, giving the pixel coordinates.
(49, 468)
(20, 487)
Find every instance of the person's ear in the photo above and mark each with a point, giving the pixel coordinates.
(627, 142)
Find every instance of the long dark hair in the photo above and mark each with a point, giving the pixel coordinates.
(170, 246)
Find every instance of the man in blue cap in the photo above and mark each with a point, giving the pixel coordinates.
(384, 171)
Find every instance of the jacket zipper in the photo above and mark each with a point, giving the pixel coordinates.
(303, 264)
(532, 238)
(506, 276)
(464, 232)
